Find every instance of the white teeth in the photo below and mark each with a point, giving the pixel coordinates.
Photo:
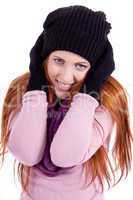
(61, 82)
(63, 86)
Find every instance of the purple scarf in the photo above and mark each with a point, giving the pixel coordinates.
(56, 114)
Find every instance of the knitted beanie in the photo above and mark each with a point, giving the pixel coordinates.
(78, 29)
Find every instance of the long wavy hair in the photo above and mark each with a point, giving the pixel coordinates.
(114, 98)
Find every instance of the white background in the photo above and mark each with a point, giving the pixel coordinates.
(20, 25)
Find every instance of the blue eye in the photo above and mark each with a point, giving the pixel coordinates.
(57, 60)
(82, 67)
(60, 61)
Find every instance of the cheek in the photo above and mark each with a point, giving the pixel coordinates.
(53, 71)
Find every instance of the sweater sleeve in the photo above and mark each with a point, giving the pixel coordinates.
(27, 138)
(85, 127)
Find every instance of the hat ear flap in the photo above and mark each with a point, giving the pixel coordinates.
(104, 66)
(105, 63)
(38, 45)
(35, 53)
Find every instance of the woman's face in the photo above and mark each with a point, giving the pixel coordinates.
(65, 68)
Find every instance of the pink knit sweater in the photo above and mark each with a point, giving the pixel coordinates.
(85, 127)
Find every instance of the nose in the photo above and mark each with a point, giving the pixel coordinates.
(67, 76)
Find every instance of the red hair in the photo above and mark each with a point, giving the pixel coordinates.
(114, 98)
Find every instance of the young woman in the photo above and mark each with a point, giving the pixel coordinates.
(58, 119)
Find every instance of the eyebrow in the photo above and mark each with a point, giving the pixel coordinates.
(76, 63)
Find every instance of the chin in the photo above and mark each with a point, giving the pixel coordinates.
(61, 94)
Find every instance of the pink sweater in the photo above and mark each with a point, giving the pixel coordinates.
(85, 127)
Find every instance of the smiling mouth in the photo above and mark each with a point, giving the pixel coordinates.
(63, 87)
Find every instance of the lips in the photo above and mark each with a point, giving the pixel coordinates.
(62, 87)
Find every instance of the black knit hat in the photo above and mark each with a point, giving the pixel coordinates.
(77, 29)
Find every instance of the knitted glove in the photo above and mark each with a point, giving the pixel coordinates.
(98, 73)
(37, 79)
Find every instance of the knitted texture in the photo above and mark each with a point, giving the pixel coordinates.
(77, 29)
